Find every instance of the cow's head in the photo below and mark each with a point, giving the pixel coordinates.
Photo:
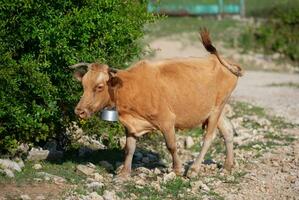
(96, 89)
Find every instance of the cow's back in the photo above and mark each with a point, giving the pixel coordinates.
(190, 88)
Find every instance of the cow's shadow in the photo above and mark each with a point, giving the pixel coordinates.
(113, 156)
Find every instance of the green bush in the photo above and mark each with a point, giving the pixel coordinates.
(278, 33)
(38, 40)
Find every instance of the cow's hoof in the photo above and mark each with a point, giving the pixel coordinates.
(178, 171)
(122, 177)
(192, 173)
(228, 166)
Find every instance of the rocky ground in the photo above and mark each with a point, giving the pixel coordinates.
(266, 167)
(266, 150)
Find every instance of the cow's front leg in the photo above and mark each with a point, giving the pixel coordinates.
(129, 152)
(169, 135)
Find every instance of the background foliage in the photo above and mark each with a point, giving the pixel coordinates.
(278, 32)
(38, 40)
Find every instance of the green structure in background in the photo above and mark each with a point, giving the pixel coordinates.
(197, 7)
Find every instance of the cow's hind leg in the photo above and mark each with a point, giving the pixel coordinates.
(208, 138)
(227, 130)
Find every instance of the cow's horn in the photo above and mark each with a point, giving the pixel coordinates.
(79, 65)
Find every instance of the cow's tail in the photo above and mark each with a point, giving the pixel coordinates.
(206, 41)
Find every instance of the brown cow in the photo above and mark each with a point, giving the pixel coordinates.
(165, 95)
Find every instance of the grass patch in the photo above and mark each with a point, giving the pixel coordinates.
(242, 108)
(174, 189)
(257, 145)
(280, 137)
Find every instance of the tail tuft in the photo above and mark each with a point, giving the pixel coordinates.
(206, 41)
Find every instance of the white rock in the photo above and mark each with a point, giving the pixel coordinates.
(97, 177)
(169, 177)
(157, 171)
(47, 177)
(91, 165)
(156, 186)
(37, 166)
(38, 154)
(94, 185)
(20, 163)
(143, 170)
(7, 172)
(25, 197)
(122, 142)
(85, 170)
(195, 186)
(140, 182)
(9, 164)
(109, 195)
(94, 196)
(189, 142)
(205, 187)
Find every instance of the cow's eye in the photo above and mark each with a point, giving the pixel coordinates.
(100, 87)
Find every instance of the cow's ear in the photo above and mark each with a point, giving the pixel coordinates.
(78, 74)
(114, 81)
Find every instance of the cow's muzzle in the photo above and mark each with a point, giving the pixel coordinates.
(82, 113)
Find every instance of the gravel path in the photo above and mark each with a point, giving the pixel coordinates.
(256, 87)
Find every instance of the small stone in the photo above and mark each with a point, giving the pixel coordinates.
(122, 142)
(7, 172)
(20, 163)
(189, 142)
(169, 177)
(291, 179)
(133, 196)
(205, 187)
(143, 170)
(195, 186)
(106, 165)
(91, 165)
(37, 154)
(97, 177)
(140, 182)
(157, 171)
(9, 164)
(156, 186)
(94, 185)
(85, 170)
(95, 196)
(25, 197)
(37, 166)
(109, 195)
(23, 148)
(47, 177)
